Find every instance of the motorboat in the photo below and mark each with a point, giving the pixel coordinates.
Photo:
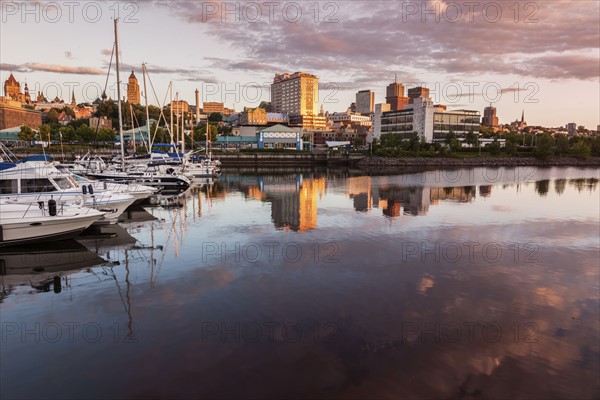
(22, 223)
(159, 175)
(138, 191)
(36, 178)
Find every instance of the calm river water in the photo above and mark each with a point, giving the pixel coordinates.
(474, 283)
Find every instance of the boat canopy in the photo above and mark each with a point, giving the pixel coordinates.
(6, 165)
(39, 157)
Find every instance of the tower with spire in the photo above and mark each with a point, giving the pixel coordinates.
(12, 88)
(520, 125)
(133, 90)
(73, 102)
(27, 96)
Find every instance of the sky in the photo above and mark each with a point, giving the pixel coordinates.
(540, 57)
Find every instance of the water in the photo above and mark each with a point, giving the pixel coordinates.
(330, 284)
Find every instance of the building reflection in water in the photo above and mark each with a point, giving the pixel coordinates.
(293, 198)
(396, 200)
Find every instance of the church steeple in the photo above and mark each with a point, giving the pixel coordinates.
(73, 102)
(523, 117)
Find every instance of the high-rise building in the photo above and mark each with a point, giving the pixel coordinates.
(379, 110)
(417, 92)
(133, 90)
(489, 117)
(394, 96)
(365, 102)
(296, 94)
(572, 128)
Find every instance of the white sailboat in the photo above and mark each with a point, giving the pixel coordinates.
(153, 174)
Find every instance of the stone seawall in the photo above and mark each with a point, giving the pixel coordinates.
(478, 162)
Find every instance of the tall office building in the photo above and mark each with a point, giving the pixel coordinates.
(489, 116)
(295, 94)
(417, 92)
(394, 96)
(365, 102)
(133, 90)
(379, 110)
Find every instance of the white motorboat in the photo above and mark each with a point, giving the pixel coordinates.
(155, 174)
(138, 191)
(35, 178)
(22, 223)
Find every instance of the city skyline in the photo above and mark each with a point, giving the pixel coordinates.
(555, 57)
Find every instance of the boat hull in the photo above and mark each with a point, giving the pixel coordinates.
(15, 232)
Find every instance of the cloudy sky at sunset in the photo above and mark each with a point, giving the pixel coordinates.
(541, 57)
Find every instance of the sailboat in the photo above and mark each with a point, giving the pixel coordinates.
(202, 166)
(156, 175)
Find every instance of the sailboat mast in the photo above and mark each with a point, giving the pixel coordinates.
(182, 131)
(171, 92)
(119, 97)
(177, 125)
(207, 133)
(147, 111)
(133, 128)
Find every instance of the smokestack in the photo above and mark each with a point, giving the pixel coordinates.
(197, 107)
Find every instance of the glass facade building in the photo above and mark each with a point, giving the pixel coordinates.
(460, 122)
(432, 123)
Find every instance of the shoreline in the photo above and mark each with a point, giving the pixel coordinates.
(479, 162)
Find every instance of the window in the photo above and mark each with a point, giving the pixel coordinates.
(36, 185)
(63, 183)
(8, 186)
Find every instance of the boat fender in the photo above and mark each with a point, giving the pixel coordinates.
(52, 207)
(105, 185)
(57, 285)
(91, 189)
(84, 189)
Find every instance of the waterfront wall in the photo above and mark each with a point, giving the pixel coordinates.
(478, 162)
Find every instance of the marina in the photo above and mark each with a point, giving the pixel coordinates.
(270, 264)
(308, 200)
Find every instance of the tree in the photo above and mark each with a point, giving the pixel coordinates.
(215, 117)
(511, 148)
(582, 150)
(85, 134)
(452, 141)
(106, 135)
(494, 147)
(543, 147)
(450, 136)
(52, 116)
(69, 111)
(562, 145)
(45, 133)
(67, 133)
(26, 134)
(471, 138)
